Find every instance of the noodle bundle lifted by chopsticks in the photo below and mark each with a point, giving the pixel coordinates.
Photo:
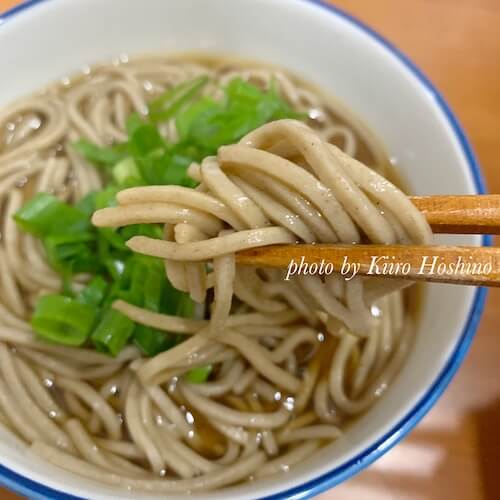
(290, 362)
(280, 184)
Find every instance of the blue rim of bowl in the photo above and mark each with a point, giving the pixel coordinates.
(34, 490)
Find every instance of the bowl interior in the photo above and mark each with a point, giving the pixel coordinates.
(52, 39)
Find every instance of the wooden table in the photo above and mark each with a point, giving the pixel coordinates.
(455, 451)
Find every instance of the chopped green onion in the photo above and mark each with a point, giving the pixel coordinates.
(206, 106)
(145, 141)
(176, 172)
(106, 197)
(71, 253)
(126, 170)
(74, 246)
(112, 238)
(87, 204)
(64, 244)
(134, 121)
(44, 214)
(198, 375)
(150, 230)
(115, 267)
(153, 285)
(94, 293)
(210, 124)
(100, 155)
(168, 104)
(112, 332)
(139, 271)
(63, 320)
(151, 341)
(185, 306)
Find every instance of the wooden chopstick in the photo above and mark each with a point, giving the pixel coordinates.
(462, 214)
(479, 266)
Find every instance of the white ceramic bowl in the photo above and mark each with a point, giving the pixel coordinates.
(44, 40)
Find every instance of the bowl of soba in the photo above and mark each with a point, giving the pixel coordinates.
(143, 144)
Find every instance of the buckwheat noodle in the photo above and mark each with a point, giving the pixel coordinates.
(294, 361)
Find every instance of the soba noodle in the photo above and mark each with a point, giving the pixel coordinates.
(293, 361)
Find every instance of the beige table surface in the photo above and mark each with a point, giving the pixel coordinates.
(455, 451)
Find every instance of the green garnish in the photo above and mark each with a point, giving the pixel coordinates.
(73, 245)
(63, 320)
(171, 102)
(209, 124)
(126, 172)
(94, 293)
(198, 375)
(44, 214)
(151, 341)
(98, 154)
(203, 125)
(112, 332)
